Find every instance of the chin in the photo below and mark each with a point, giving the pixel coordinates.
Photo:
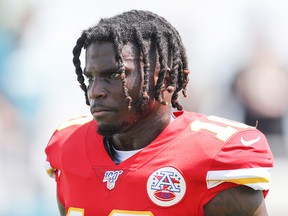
(107, 130)
(111, 129)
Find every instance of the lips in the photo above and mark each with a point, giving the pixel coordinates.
(100, 114)
(101, 111)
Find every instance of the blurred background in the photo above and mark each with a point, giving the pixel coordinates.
(238, 55)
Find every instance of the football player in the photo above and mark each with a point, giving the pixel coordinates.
(133, 155)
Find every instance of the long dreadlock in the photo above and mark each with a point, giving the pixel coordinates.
(136, 27)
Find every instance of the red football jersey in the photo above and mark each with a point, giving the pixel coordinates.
(192, 160)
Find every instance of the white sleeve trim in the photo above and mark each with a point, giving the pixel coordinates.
(256, 178)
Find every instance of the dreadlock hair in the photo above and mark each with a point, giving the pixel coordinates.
(136, 27)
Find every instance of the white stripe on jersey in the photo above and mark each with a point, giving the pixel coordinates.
(256, 178)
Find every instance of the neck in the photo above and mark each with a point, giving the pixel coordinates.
(142, 134)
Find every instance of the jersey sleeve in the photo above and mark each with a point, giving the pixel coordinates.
(245, 159)
(54, 147)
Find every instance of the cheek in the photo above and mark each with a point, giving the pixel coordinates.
(118, 95)
(134, 87)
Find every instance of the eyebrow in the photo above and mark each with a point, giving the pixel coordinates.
(108, 70)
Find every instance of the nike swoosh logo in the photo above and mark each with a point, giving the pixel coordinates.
(249, 142)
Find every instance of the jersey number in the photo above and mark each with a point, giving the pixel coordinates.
(222, 133)
(75, 212)
(80, 212)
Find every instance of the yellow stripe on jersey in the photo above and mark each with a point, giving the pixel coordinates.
(130, 213)
(49, 169)
(256, 178)
(250, 180)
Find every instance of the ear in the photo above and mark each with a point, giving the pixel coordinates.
(167, 85)
(167, 78)
(167, 89)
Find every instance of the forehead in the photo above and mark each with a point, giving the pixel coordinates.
(102, 55)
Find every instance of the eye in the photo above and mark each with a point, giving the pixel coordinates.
(115, 75)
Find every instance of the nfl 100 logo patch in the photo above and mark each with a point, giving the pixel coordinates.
(166, 186)
(111, 177)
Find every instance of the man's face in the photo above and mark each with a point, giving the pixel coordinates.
(107, 101)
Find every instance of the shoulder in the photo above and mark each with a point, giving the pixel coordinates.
(225, 136)
(67, 133)
(215, 127)
(74, 123)
(71, 125)
(224, 130)
(237, 152)
(221, 139)
(244, 158)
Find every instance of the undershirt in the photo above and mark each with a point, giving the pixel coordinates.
(120, 156)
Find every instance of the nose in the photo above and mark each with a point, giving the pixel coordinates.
(96, 90)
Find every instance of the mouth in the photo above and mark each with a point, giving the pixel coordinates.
(100, 112)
